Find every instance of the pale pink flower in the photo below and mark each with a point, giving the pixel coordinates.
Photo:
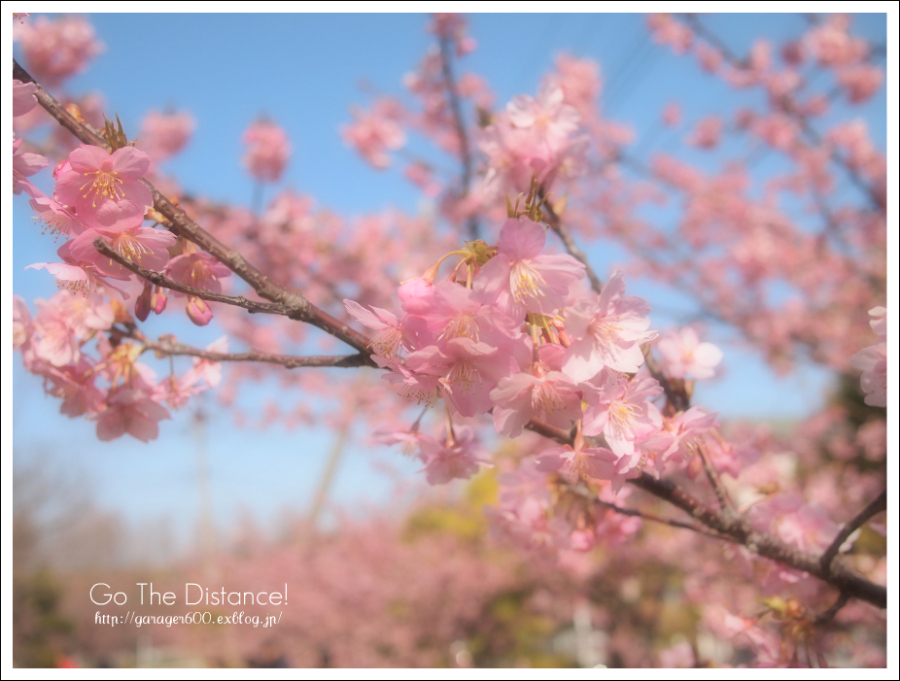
(579, 80)
(684, 355)
(468, 371)
(55, 216)
(671, 114)
(144, 246)
(374, 133)
(22, 328)
(55, 50)
(622, 411)
(519, 398)
(576, 463)
(207, 370)
(548, 115)
(23, 98)
(709, 57)
(872, 361)
(519, 279)
(93, 177)
(454, 455)
(165, 134)
(131, 412)
(389, 339)
(74, 384)
(268, 151)
(669, 31)
(607, 332)
(830, 44)
(707, 133)
(860, 82)
(25, 164)
(199, 270)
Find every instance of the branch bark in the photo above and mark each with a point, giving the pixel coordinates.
(166, 347)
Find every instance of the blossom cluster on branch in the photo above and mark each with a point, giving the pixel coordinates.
(519, 332)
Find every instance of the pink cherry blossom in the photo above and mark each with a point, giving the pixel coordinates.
(25, 164)
(519, 398)
(132, 412)
(519, 279)
(707, 133)
(56, 50)
(453, 455)
(268, 151)
(684, 355)
(575, 463)
(165, 134)
(376, 132)
(606, 332)
(23, 97)
(93, 176)
(622, 411)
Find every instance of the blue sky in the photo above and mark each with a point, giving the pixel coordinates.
(305, 72)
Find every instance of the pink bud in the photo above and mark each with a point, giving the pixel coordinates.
(199, 311)
(158, 301)
(142, 304)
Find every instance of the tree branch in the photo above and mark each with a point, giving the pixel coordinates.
(763, 544)
(725, 502)
(167, 347)
(459, 123)
(159, 279)
(878, 505)
(557, 226)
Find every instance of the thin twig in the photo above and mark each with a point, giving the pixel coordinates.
(789, 106)
(878, 505)
(159, 279)
(725, 502)
(657, 519)
(167, 347)
(828, 615)
(557, 226)
(459, 123)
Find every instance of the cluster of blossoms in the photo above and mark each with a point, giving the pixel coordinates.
(100, 195)
(114, 389)
(533, 137)
(872, 361)
(268, 151)
(514, 333)
(56, 50)
(165, 134)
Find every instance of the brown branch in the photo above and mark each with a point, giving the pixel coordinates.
(763, 544)
(725, 502)
(878, 505)
(657, 519)
(677, 398)
(459, 124)
(733, 528)
(557, 226)
(297, 307)
(828, 615)
(159, 279)
(288, 361)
